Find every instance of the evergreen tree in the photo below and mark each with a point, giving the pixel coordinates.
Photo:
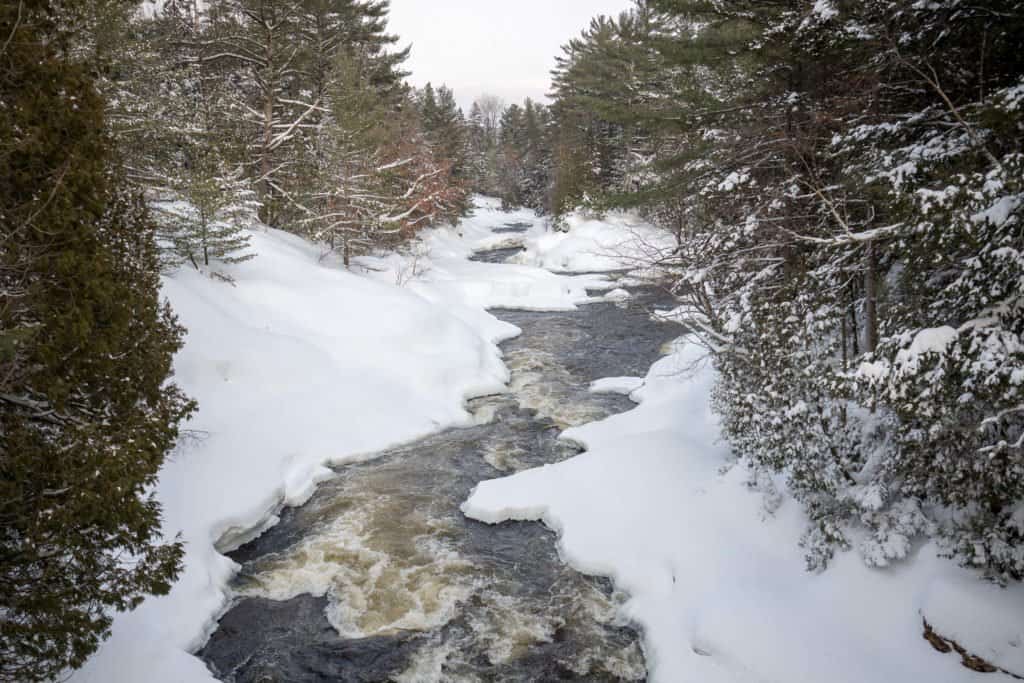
(285, 53)
(524, 157)
(179, 132)
(445, 128)
(259, 40)
(210, 223)
(485, 128)
(350, 196)
(509, 155)
(477, 151)
(86, 412)
(428, 109)
(328, 27)
(422, 177)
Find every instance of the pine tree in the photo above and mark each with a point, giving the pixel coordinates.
(524, 157)
(381, 178)
(209, 221)
(421, 178)
(86, 412)
(485, 128)
(451, 131)
(179, 132)
(477, 151)
(285, 54)
(509, 155)
(444, 128)
(536, 156)
(428, 109)
(350, 195)
(327, 27)
(259, 40)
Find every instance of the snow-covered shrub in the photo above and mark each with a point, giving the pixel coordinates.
(952, 372)
(210, 219)
(843, 182)
(850, 251)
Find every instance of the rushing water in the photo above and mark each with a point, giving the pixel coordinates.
(379, 577)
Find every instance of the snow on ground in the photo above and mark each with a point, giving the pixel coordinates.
(717, 583)
(616, 241)
(618, 295)
(300, 364)
(617, 385)
(443, 273)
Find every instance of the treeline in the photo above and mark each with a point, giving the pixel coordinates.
(844, 182)
(508, 152)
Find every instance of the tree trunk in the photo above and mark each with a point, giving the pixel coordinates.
(843, 336)
(846, 360)
(268, 132)
(855, 330)
(870, 300)
(268, 126)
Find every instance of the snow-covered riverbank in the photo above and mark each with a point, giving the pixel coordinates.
(718, 583)
(301, 364)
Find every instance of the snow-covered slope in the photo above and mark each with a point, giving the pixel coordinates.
(299, 364)
(616, 241)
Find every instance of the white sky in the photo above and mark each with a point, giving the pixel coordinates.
(503, 47)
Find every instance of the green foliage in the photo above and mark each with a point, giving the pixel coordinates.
(444, 127)
(281, 57)
(382, 169)
(209, 221)
(86, 412)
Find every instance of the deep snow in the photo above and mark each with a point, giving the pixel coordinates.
(302, 364)
(591, 244)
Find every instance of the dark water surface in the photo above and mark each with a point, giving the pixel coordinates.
(497, 255)
(512, 227)
(379, 577)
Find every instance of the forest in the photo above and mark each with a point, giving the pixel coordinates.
(841, 184)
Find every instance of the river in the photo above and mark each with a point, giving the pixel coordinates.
(379, 577)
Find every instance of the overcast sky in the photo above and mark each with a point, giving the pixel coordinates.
(503, 47)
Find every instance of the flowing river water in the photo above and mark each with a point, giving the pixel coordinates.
(379, 577)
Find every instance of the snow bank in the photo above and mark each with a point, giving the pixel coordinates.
(620, 240)
(719, 585)
(301, 364)
(617, 385)
(984, 619)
